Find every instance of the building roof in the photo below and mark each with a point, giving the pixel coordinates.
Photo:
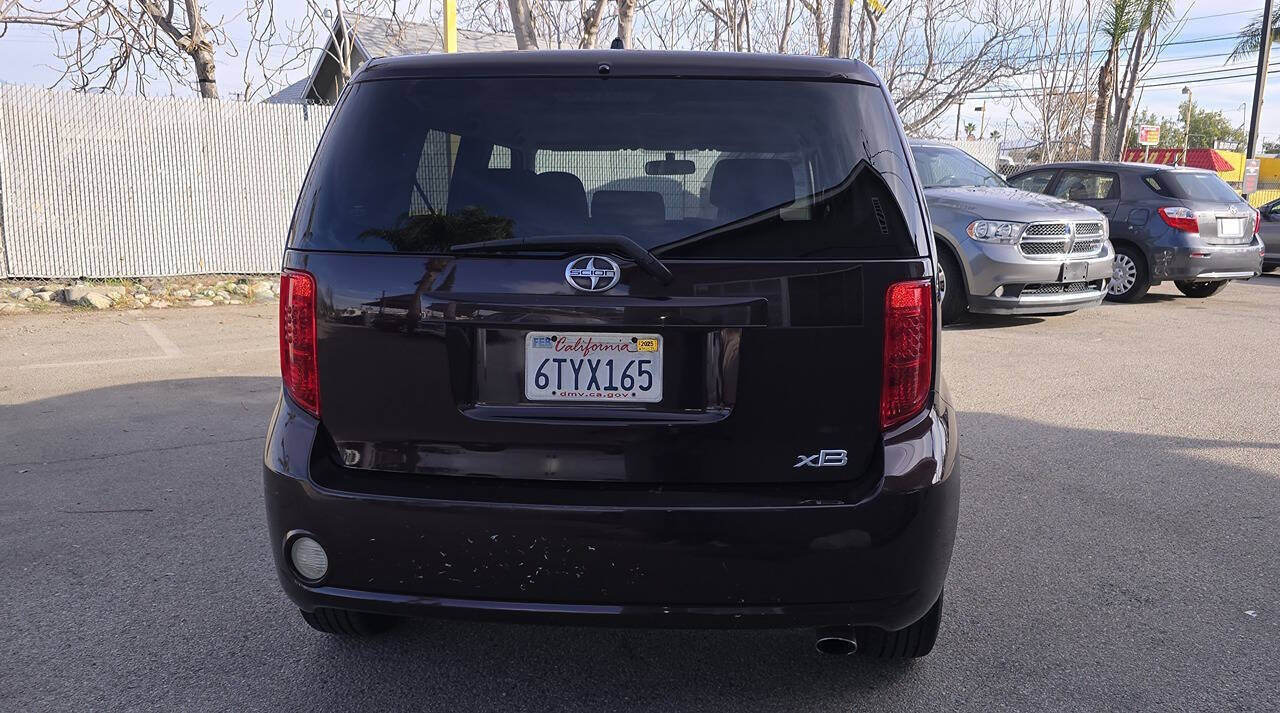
(384, 37)
(381, 37)
(619, 63)
(1196, 158)
(295, 93)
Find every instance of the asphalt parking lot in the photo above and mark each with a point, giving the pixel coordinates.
(1117, 548)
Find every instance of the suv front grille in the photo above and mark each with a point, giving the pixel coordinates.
(1057, 288)
(1047, 241)
(1041, 229)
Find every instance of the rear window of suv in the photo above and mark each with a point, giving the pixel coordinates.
(685, 167)
(1192, 185)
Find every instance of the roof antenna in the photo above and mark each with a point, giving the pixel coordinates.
(617, 44)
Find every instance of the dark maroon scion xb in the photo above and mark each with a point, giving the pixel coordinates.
(614, 337)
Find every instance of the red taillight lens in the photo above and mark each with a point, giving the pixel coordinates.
(298, 339)
(1180, 218)
(1257, 222)
(908, 351)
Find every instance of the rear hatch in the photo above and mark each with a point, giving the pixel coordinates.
(1223, 217)
(607, 279)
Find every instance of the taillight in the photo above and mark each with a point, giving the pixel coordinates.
(908, 351)
(1257, 221)
(1180, 218)
(298, 339)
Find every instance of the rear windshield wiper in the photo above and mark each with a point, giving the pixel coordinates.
(620, 244)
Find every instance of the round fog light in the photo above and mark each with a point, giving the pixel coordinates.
(1000, 291)
(309, 559)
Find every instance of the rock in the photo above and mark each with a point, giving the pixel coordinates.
(209, 292)
(140, 289)
(201, 303)
(223, 294)
(11, 308)
(239, 289)
(51, 287)
(235, 302)
(143, 299)
(21, 293)
(182, 294)
(73, 294)
(218, 300)
(159, 304)
(115, 292)
(45, 295)
(94, 300)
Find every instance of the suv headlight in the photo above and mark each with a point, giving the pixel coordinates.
(996, 231)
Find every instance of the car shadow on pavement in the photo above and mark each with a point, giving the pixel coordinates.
(1093, 569)
(992, 321)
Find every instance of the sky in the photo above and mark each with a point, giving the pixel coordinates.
(26, 54)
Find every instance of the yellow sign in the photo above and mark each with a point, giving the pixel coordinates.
(646, 345)
(1149, 135)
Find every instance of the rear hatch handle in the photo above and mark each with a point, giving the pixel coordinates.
(619, 244)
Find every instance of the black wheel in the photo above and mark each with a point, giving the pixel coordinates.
(912, 642)
(951, 289)
(1201, 288)
(1129, 277)
(343, 622)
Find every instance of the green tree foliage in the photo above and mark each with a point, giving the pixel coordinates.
(1206, 127)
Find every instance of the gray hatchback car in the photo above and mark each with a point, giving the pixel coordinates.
(1180, 224)
(1007, 251)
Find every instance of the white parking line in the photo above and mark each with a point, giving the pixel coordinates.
(161, 339)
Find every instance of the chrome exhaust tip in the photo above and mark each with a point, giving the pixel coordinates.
(836, 641)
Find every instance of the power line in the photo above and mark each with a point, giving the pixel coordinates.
(1149, 83)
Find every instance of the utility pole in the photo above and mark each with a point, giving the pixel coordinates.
(958, 108)
(1186, 135)
(982, 125)
(450, 26)
(1260, 82)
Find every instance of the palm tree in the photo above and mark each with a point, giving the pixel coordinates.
(1118, 19)
(969, 128)
(995, 135)
(1247, 39)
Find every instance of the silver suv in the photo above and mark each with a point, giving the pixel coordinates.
(1006, 251)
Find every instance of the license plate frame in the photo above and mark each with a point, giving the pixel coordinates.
(1074, 271)
(595, 367)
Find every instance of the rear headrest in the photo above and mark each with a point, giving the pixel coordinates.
(497, 191)
(743, 186)
(628, 207)
(562, 193)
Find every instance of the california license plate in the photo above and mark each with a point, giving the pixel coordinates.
(593, 366)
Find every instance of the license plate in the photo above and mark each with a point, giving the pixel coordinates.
(593, 366)
(1074, 271)
(1231, 227)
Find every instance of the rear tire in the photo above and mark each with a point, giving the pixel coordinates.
(1202, 288)
(343, 622)
(955, 300)
(1130, 278)
(912, 642)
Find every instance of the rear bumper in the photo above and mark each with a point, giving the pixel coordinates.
(737, 557)
(1207, 262)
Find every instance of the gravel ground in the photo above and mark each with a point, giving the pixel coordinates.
(1117, 544)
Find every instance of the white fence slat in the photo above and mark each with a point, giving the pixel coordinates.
(108, 186)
